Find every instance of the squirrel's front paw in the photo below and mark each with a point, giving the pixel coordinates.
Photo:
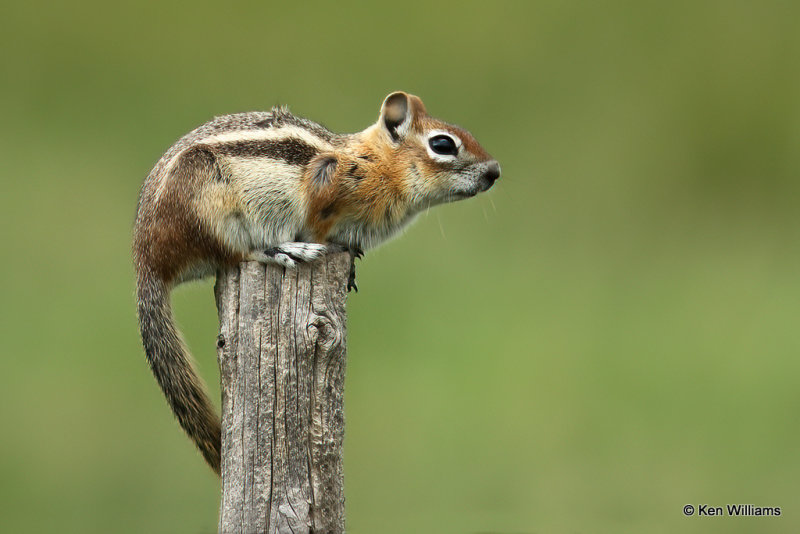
(290, 254)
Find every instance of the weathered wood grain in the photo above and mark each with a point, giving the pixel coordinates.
(282, 355)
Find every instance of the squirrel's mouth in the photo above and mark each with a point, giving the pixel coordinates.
(468, 190)
(483, 185)
(469, 193)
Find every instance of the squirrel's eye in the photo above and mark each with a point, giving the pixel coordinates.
(443, 144)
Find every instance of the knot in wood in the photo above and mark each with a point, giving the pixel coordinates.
(328, 330)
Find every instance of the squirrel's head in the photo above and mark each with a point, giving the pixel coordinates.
(441, 162)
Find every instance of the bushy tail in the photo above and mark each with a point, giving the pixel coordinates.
(172, 366)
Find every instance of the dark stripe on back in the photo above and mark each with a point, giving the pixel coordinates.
(292, 151)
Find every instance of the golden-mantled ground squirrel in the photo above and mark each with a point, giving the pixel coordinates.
(273, 187)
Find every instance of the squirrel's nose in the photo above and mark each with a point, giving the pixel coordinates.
(492, 172)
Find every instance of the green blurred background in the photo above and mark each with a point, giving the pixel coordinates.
(609, 334)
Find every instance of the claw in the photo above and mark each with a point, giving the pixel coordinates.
(351, 280)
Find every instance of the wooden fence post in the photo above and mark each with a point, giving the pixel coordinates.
(282, 352)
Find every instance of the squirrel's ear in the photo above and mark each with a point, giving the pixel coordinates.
(397, 114)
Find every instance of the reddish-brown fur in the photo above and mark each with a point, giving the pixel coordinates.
(170, 237)
(368, 184)
(365, 187)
